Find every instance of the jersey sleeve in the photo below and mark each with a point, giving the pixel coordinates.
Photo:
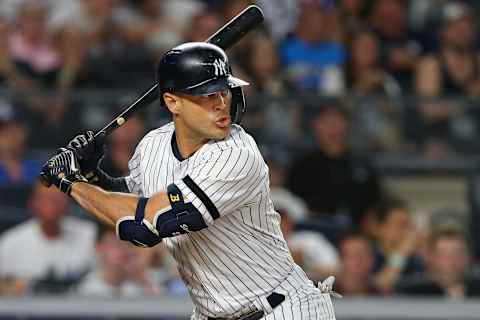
(228, 180)
(134, 179)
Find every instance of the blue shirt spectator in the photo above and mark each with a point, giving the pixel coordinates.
(14, 167)
(313, 54)
(308, 63)
(28, 172)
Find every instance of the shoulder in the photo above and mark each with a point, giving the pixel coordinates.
(240, 138)
(239, 150)
(164, 130)
(156, 134)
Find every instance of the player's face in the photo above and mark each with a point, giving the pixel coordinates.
(207, 115)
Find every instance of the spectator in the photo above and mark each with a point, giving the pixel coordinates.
(280, 16)
(273, 117)
(281, 196)
(329, 177)
(314, 56)
(118, 272)
(31, 45)
(48, 253)
(376, 96)
(162, 271)
(448, 268)
(14, 167)
(451, 72)
(202, 26)
(146, 24)
(356, 265)
(454, 70)
(366, 75)
(38, 70)
(389, 19)
(121, 145)
(353, 14)
(310, 249)
(396, 244)
(264, 66)
(101, 43)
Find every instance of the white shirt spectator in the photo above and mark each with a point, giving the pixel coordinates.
(295, 206)
(317, 251)
(26, 253)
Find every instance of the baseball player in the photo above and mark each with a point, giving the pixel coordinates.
(200, 185)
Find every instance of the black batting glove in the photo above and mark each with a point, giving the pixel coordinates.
(89, 152)
(62, 170)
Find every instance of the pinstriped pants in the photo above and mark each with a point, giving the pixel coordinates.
(303, 302)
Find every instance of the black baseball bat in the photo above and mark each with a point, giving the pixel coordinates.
(225, 37)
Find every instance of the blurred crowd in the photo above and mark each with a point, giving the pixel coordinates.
(333, 82)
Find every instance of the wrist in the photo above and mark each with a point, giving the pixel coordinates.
(66, 184)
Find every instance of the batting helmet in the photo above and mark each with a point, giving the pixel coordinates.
(200, 68)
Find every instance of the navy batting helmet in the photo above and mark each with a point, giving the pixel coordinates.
(200, 68)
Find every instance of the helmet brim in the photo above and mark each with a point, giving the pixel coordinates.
(215, 85)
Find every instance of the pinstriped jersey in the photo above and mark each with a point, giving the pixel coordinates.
(242, 254)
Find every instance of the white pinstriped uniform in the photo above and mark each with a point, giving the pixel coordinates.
(241, 257)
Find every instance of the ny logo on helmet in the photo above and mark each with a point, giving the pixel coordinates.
(220, 67)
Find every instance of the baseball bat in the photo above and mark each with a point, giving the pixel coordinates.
(229, 34)
(225, 37)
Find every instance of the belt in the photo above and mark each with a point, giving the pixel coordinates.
(274, 300)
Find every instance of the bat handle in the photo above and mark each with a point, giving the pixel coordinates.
(100, 133)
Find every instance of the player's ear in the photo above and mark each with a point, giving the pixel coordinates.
(172, 102)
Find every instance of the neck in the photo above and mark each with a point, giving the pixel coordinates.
(304, 33)
(50, 230)
(187, 143)
(332, 150)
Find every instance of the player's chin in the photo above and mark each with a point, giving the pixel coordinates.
(220, 133)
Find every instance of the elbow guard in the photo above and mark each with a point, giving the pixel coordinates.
(138, 230)
(180, 218)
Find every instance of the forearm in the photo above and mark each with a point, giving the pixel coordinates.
(106, 206)
(109, 207)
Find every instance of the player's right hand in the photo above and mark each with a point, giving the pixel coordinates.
(62, 170)
(89, 151)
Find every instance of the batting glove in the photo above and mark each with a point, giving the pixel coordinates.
(89, 152)
(62, 170)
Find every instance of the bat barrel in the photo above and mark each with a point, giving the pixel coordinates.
(238, 26)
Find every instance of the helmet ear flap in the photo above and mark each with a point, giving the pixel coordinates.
(238, 106)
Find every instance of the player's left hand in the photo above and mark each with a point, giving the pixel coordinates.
(62, 170)
(89, 151)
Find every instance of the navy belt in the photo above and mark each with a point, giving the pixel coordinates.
(275, 299)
